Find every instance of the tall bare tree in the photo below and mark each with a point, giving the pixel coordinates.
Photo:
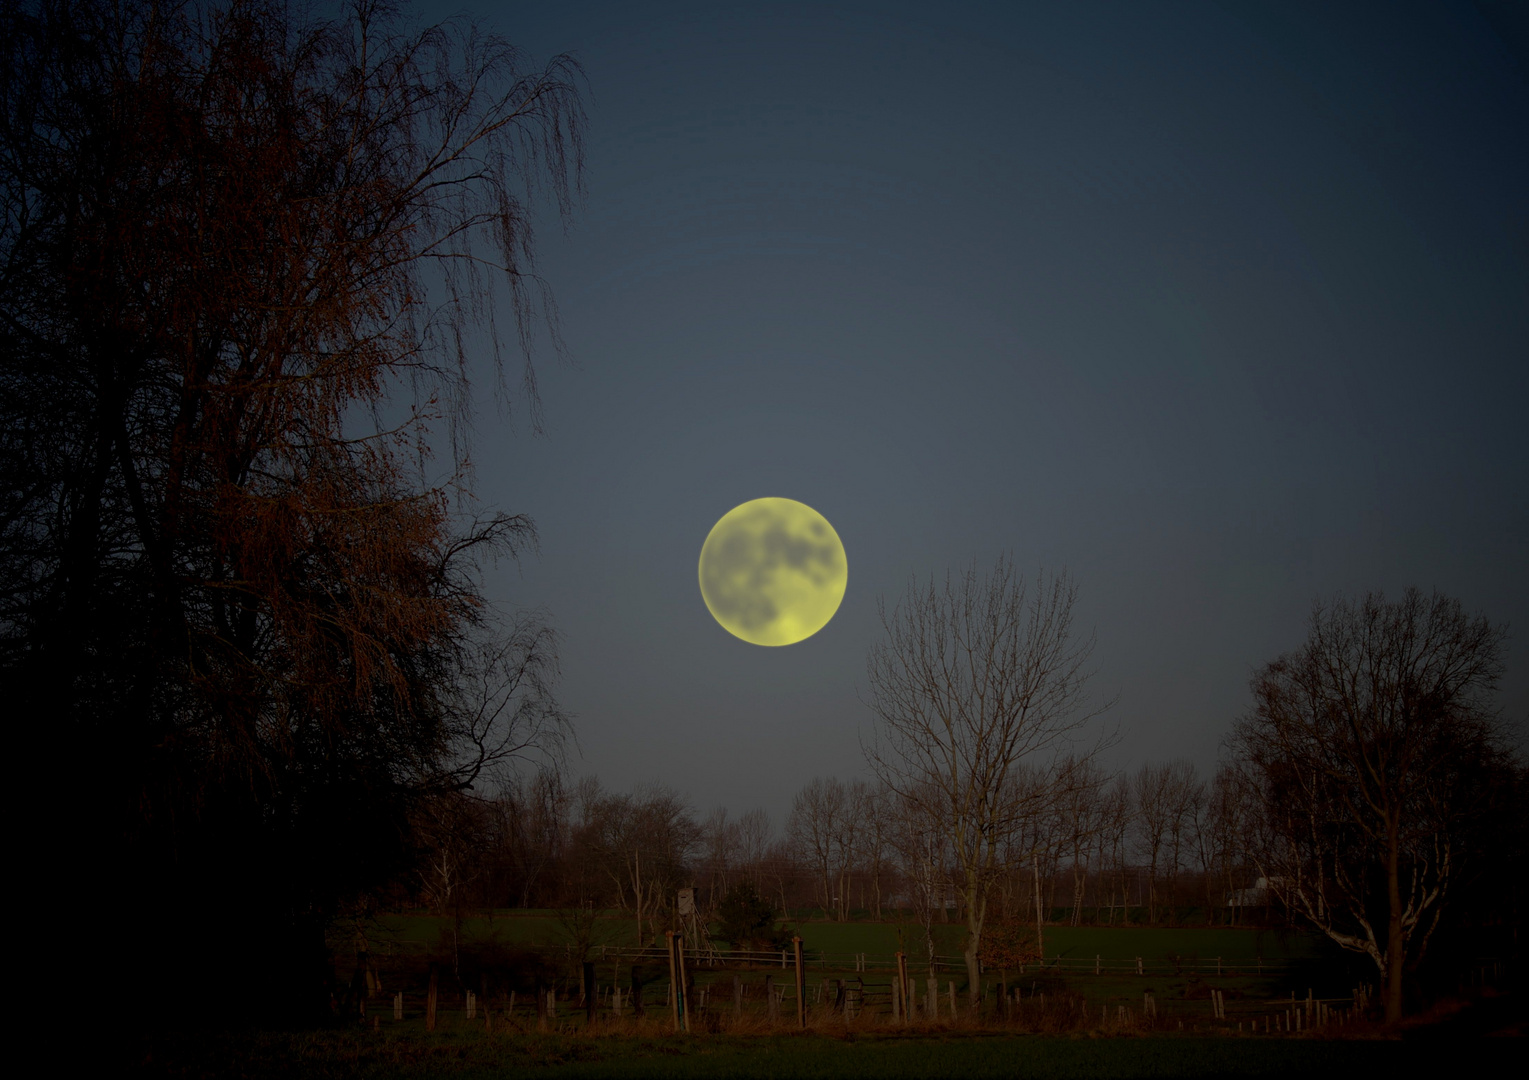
(648, 838)
(721, 844)
(1366, 745)
(1185, 795)
(822, 826)
(1081, 818)
(872, 807)
(754, 835)
(1151, 803)
(1113, 839)
(972, 679)
(919, 840)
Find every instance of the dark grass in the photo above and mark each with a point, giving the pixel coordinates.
(879, 939)
(408, 1057)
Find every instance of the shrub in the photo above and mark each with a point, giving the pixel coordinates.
(747, 921)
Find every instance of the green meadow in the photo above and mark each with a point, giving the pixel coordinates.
(1259, 968)
(879, 940)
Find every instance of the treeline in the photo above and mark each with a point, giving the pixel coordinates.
(1148, 846)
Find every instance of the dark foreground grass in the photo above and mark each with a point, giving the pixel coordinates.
(783, 1057)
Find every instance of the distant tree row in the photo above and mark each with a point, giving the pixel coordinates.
(1144, 848)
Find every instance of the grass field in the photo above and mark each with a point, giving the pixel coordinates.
(1293, 962)
(1069, 1025)
(884, 938)
(462, 1055)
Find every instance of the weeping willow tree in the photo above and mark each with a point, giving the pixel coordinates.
(245, 261)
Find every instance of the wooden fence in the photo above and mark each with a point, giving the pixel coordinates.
(1220, 967)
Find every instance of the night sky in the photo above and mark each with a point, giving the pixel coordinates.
(1221, 308)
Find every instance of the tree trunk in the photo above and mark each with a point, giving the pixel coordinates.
(1394, 943)
(976, 915)
(1040, 947)
(637, 894)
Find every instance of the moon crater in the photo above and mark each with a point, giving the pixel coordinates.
(773, 571)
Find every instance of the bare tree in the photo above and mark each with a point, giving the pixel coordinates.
(721, 844)
(1185, 796)
(973, 679)
(782, 869)
(531, 818)
(822, 827)
(502, 713)
(1080, 815)
(919, 840)
(1151, 803)
(1114, 832)
(1205, 840)
(873, 808)
(1221, 837)
(647, 838)
(754, 835)
(1365, 745)
(852, 842)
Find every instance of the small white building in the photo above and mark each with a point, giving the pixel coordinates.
(1257, 896)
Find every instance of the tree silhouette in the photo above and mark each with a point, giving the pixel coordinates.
(242, 257)
(1369, 747)
(748, 921)
(975, 681)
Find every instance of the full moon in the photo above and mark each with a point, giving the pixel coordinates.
(773, 571)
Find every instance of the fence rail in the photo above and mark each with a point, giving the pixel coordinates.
(1224, 967)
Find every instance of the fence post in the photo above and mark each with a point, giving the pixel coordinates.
(801, 984)
(770, 996)
(590, 991)
(430, 1001)
(904, 985)
(684, 989)
(674, 997)
(398, 1006)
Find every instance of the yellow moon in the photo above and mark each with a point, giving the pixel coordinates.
(773, 571)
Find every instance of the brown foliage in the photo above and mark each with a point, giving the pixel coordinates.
(1008, 946)
(242, 256)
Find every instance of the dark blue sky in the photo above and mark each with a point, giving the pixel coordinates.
(1221, 307)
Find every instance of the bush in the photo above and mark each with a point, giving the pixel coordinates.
(747, 921)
